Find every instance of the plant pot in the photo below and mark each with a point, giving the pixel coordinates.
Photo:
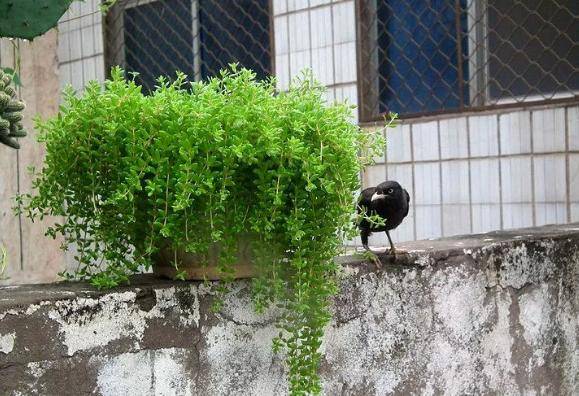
(198, 266)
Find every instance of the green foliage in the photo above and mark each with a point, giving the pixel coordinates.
(10, 113)
(200, 163)
(30, 18)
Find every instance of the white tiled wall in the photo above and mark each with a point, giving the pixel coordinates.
(479, 173)
(321, 36)
(80, 44)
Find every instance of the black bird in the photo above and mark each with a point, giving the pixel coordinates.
(390, 202)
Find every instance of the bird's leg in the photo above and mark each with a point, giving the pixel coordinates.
(370, 255)
(364, 235)
(392, 249)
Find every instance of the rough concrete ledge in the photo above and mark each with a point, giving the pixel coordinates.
(482, 314)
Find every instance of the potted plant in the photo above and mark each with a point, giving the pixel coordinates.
(226, 172)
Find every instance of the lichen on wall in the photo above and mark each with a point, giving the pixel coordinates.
(490, 314)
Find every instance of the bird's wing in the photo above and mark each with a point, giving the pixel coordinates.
(407, 202)
(365, 198)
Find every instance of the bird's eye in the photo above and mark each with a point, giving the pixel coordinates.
(390, 190)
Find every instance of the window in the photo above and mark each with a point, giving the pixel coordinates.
(417, 57)
(533, 48)
(197, 37)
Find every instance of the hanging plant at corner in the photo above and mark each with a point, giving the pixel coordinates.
(25, 19)
(192, 167)
(10, 113)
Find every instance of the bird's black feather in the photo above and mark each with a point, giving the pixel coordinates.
(391, 203)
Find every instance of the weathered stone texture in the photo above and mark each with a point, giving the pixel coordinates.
(487, 314)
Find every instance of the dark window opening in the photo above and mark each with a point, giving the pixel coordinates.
(533, 47)
(235, 31)
(158, 40)
(197, 37)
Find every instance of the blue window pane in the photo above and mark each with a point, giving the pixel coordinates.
(418, 56)
(158, 40)
(235, 31)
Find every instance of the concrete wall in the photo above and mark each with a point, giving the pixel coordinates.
(484, 314)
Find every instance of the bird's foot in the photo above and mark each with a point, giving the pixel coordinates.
(373, 257)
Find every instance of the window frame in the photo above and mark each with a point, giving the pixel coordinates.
(479, 87)
(114, 53)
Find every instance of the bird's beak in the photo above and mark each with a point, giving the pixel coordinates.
(377, 196)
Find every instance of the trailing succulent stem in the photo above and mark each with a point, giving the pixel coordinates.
(10, 113)
(194, 164)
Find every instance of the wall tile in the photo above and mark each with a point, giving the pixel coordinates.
(550, 189)
(75, 45)
(548, 130)
(88, 40)
(344, 22)
(515, 132)
(428, 221)
(279, 6)
(516, 180)
(427, 183)
(345, 62)
(574, 186)
(455, 183)
(551, 213)
(453, 138)
(403, 175)
(573, 127)
(63, 47)
(373, 175)
(517, 215)
(425, 141)
(486, 217)
(64, 75)
(100, 68)
(299, 61)
(398, 148)
(314, 3)
(405, 231)
(484, 181)
(282, 71)
(574, 177)
(98, 41)
(483, 135)
(381, 157)
(455, 219)
(320, 20)
(293, 5)
(299, 31)
(76, 75)
(322, 66)
(89, 70)
(347, 93)
(330, 95)
(574, 212)
(550, 178)
(281, 35)
(378, 241)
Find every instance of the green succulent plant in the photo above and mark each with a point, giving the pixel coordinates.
(10, 113)
(202, 163)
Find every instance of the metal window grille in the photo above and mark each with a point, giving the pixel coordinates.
(419, 57)
(196, 37)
